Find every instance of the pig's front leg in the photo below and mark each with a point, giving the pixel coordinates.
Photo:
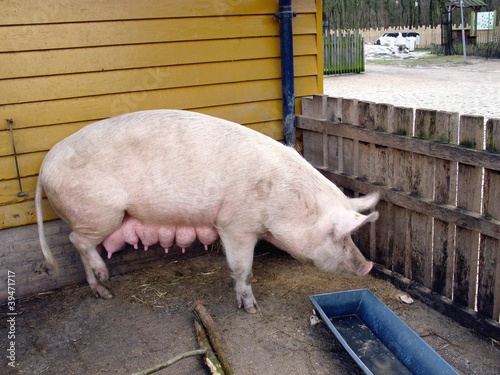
(239, 254)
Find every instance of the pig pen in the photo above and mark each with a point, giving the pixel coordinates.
(150, 320)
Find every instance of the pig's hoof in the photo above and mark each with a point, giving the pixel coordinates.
(249, 304)
(251, 309)
(100, 290)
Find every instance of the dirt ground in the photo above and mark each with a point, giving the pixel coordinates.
(150, 321)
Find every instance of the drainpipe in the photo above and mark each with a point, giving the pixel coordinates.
(284, 17)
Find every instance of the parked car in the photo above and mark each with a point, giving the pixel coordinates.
(407, 39)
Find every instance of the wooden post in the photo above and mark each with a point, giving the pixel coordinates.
(422, 185)
(469, 198)
(488, 299)
(402, 123)
(445, 176)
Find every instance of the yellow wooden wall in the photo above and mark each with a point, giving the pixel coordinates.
(66, 63)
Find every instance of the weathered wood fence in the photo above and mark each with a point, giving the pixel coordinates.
(438, 173)
(343, 52)
(429, 36)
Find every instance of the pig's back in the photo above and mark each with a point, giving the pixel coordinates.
(149, 141)
(159, 163)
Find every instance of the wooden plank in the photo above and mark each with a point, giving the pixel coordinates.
(371, 159)
(383, 117)
(333, 109)
(402, 123)
(349, 156)
(401, 250)
(42, 138)
(383, 168)
(318, 106)
(451, 214)
(489, 273)
(334, 152)
(96, 108)
(384, 228)
(273, 129)
(313, 147)
(8, 168)
(362, 164)
(17, 12)
(402, 120)
(34, 89)
(366, 171)
(444, 151)
(469, 198)
(401, 241)
(95, 34)
(366, 166)
(488, 298)
(445, 175)
(5, 140)
(263, 116)
(307, 105)
(10, 190)
(349, 113)
(365, 115)
(422, 185)
(81, 60)
(24, 213)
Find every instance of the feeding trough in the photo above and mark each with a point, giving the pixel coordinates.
(375, 337)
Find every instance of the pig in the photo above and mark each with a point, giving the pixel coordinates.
(207, 178)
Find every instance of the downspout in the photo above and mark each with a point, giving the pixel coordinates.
(284, 17)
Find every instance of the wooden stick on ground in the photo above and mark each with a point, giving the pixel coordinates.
(210, 358)
(202, 315)
(170, 362)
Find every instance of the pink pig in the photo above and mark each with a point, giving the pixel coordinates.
(169, 175)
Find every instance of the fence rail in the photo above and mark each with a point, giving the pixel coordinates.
(439, 178)
(343, 52)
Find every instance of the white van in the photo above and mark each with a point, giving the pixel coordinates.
(404, 39)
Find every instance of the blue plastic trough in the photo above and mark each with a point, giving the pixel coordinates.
(375, 337)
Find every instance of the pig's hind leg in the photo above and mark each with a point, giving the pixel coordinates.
(95, 268)
(239, 254)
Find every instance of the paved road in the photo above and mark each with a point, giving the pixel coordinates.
(472, 88)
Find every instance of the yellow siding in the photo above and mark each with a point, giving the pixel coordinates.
(66, 63)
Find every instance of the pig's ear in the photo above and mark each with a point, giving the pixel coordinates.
(366, 202)
(346, 222)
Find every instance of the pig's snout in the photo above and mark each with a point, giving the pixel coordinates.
(364, 269)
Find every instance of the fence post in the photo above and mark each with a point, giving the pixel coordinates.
(488, 299)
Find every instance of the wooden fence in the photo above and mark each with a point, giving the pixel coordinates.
(429, 36)
(343, 52)
(438, 235)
